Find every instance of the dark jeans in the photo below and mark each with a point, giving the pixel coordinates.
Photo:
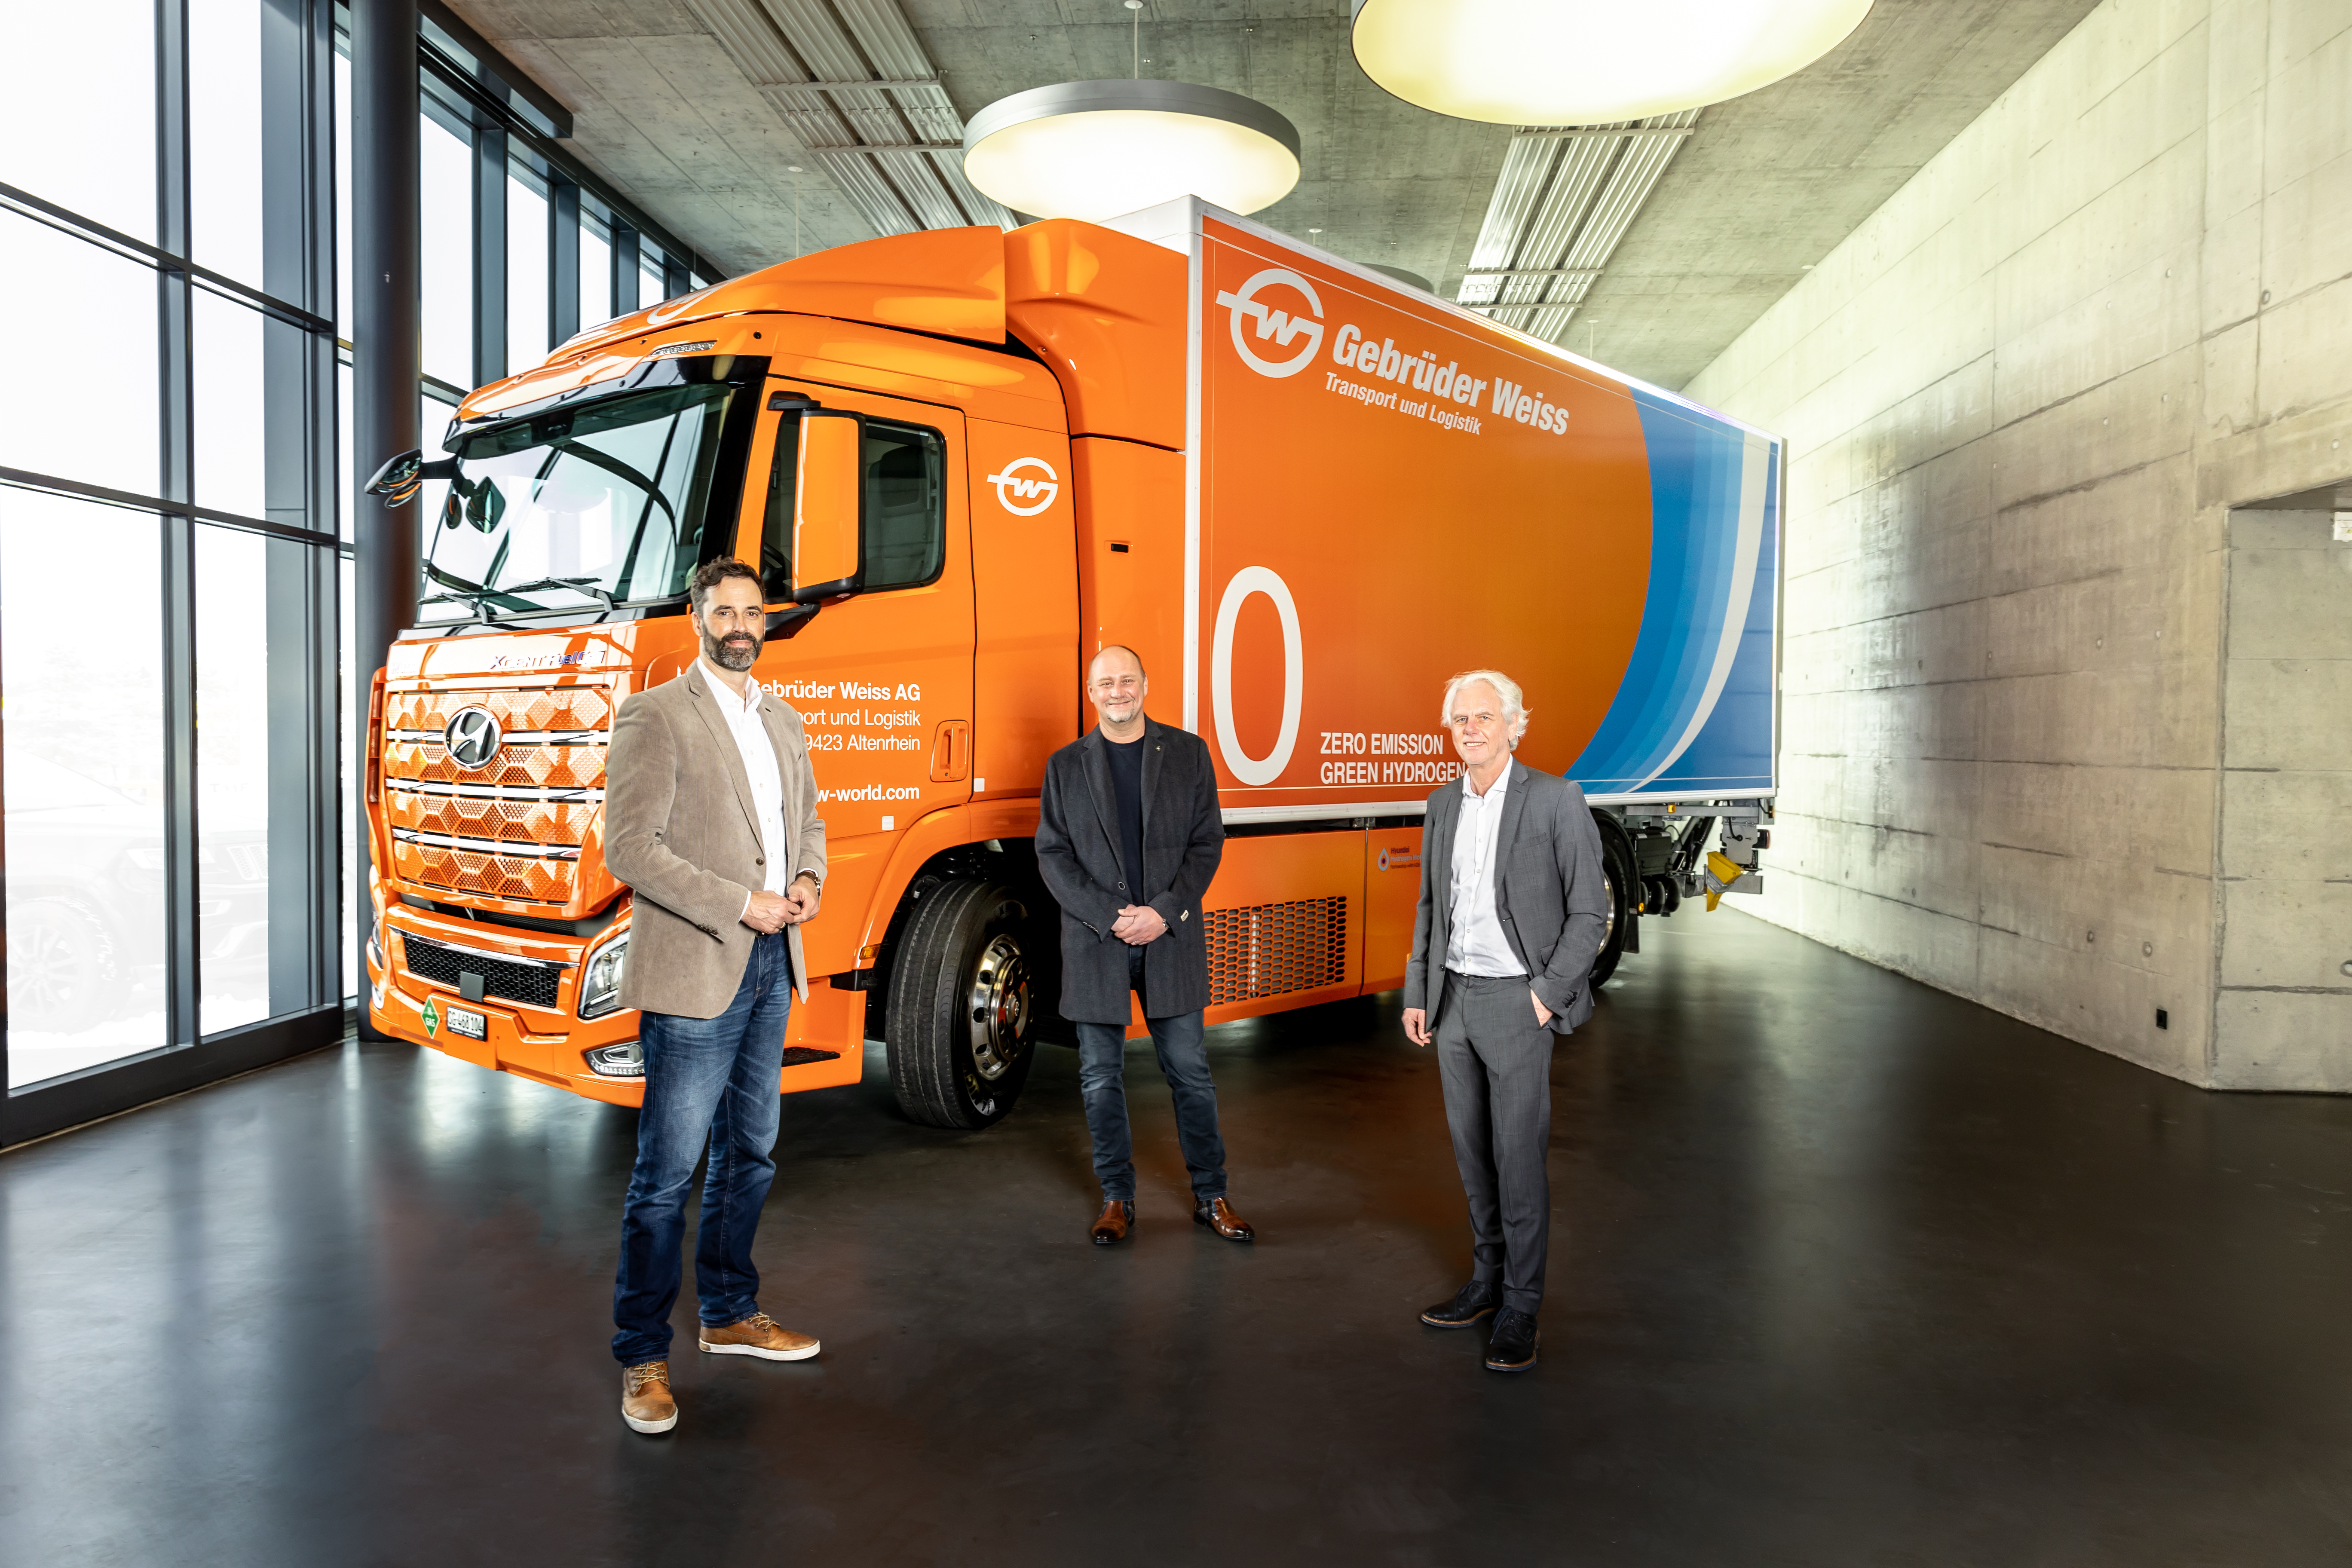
(710, 1080)
(1184, 1062)
(1495, 1061)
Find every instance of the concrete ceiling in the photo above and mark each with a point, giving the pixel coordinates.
(1768, 185)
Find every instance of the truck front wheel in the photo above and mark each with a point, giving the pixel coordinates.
(962, 1017)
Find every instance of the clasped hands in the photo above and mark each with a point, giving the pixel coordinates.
(771, 912)
(1137, 924)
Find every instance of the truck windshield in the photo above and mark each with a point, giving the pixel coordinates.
(601, 504)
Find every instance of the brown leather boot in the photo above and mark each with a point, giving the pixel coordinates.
(759, 1335)
(1113, 1223)
(1219, 1216)
(646, 1402)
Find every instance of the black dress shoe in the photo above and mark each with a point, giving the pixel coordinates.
(1472, 1302)
(1512, 1346)
(1118, 1217)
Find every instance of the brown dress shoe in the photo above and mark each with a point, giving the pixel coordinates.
(1219, 1216)
(646, 1403)
(1113, 1223)
(759, 1335)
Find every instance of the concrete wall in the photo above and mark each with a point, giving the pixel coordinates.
(2285, 1017)
(2022, 400)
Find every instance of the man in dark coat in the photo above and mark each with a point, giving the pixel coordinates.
(1128, 836)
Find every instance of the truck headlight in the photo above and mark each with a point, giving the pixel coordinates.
(599, 979)
(624, 1061)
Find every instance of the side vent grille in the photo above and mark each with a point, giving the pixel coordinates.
(1269, 949)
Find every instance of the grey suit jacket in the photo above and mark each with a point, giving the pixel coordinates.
(1550, 890)
(1078, 854)
(681, 831)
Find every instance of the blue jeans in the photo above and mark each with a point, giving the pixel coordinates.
(1184, 1062)
(706, 1080)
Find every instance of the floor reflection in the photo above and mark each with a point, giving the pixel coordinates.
(1843, 1272)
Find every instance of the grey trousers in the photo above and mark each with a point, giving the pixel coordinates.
(1495, 1061)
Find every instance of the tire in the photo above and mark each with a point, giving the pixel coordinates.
(961, 1026)
(61, 968)
(1617, 866)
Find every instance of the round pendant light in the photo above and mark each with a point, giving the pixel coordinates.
(1410, 280)
(1588, 62)
(1095, 150)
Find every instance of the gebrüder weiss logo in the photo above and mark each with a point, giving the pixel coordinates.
(1036, 490)
(1273, 322)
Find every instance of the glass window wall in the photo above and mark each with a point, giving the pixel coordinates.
(168, 860)
(105, 170)
(85, 824)
(174, 810)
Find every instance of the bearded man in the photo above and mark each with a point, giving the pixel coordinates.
(711, 818)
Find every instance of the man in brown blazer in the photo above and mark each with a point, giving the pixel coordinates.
(711, 818)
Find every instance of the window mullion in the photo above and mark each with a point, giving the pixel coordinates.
(176, 480)
(624, 268)
(563, 259)
(490, 253)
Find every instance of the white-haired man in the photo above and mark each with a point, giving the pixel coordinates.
(1513, 909)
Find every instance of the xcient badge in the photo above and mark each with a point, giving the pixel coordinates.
(1026, 486)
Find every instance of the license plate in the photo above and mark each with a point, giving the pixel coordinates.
(473, 1026)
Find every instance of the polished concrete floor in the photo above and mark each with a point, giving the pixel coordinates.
(1844, 1272)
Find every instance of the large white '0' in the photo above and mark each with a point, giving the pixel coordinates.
(1247, 581)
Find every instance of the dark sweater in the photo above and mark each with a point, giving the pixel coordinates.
(1126, 788)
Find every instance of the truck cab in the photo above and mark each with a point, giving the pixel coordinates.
(935, 663)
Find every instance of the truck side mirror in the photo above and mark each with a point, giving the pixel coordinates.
(402, 477)
(829, 505)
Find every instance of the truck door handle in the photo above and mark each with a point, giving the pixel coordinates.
(951, 751)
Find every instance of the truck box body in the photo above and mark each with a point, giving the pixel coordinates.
(1384, 489)
(1305, 495)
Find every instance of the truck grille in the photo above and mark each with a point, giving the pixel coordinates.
(513, 828)
(1270, 950)
(533, 985)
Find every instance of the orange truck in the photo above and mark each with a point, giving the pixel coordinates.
(962, 461)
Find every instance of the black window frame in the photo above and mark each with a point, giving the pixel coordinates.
(774, 564)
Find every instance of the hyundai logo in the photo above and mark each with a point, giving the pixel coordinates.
(472, 738)
(1275, 323)
(1026, 486)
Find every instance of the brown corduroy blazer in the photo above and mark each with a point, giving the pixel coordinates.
(680, 830)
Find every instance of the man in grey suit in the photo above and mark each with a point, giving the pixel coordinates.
(1513, 909)
(1129, 836)
(711, 818)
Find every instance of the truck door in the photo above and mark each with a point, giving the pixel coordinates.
(883, 680)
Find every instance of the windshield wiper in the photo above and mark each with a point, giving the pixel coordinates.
(592, 586)
(479, 598)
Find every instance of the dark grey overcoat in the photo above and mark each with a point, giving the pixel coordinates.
(1077, 853)
(1550, 890)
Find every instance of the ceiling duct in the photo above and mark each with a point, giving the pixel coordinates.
(851, 80)
(1565, 199)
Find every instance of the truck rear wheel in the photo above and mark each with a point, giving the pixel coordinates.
(962, 1017)
(1624, 882)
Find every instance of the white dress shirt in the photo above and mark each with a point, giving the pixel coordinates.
(1475, 941)
(743, 723)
